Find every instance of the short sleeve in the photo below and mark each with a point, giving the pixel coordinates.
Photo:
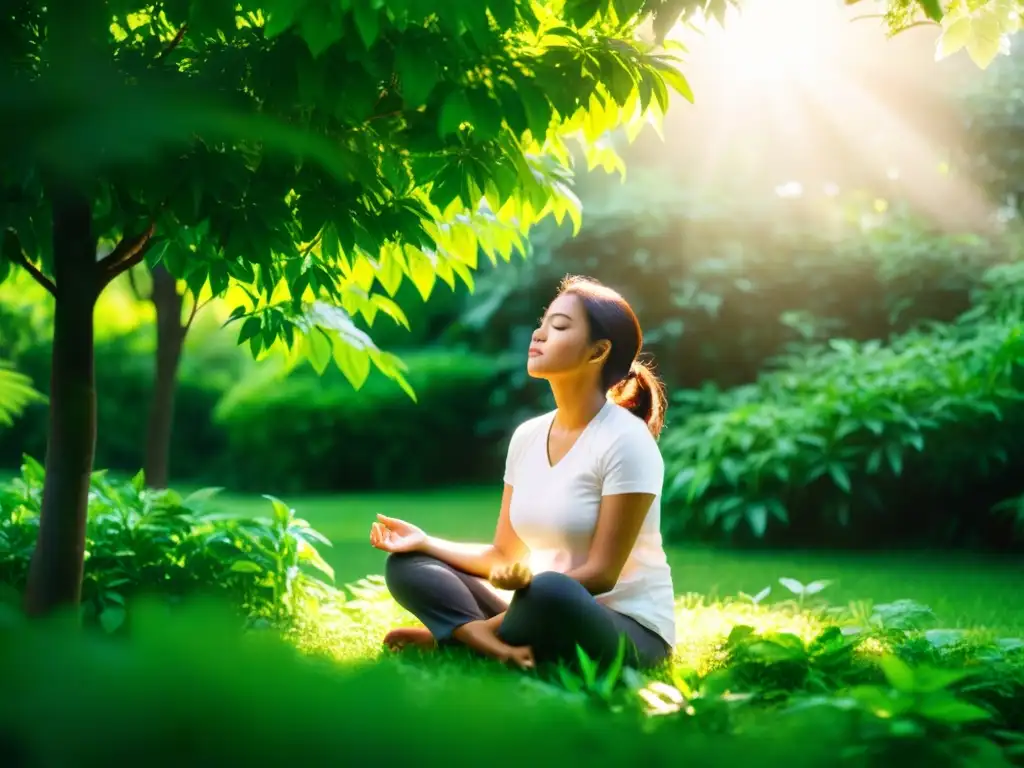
(633, 464)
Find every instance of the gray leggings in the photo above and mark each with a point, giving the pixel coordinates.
(553, 615)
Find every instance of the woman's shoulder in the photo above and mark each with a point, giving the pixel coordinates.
(623, 424)
(531, 427)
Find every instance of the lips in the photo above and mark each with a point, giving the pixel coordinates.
(534, 352)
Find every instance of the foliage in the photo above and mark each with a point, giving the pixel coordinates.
(145, 542)
(723, 280)
(306, 151)
(830, 439)
(16, 392)
(232, 417)
(235, 713)
(307, 433)
(991, 151)
(976, 26)
(831, 696)
(211, 366)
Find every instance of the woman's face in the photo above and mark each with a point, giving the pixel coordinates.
(561, 344)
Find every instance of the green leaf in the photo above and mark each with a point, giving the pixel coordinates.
(674, 78)
(896, 671)
(955, 36)
(984, 41)
(316, 346)
(352, 362)
(538, 108)
(580, 12)
(895, 455)
(950, 711)
(281, 16)
(418, 75)
(421, 272)
(320, 28)
(454, 113)
(112, 618)
(932, 9)
(391, 309)
(757, 516)
(839, 476)
(486, 113)
(250, 329)
(367, 19)
(246, 566)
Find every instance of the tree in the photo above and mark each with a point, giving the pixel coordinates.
(314, 153)
(169, 303)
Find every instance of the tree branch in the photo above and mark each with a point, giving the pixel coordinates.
(129, 252)
(175, 41)
(16, 254)
(135, 286)
(196, 306)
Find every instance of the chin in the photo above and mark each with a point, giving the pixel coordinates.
(534, 368)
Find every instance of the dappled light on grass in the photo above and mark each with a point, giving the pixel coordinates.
(702, 626)
(351, 627)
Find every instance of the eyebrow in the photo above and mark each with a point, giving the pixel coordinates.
(559, 314)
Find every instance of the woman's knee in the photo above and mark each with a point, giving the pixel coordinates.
(403, 570)
(553, 591)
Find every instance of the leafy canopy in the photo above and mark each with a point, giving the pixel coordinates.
(317, 153)
(975, 26)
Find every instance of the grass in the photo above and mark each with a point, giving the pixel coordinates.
(968, 592)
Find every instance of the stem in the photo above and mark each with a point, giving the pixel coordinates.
(12, 247)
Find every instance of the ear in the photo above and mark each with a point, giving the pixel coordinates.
(600, 351)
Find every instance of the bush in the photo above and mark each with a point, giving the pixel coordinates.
(144, 542)
(232, 417)
(313, 433)
(860, 441)
(722, 284)
(192, 689)
(124, 385)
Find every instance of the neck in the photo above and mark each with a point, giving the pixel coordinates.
(578, 401)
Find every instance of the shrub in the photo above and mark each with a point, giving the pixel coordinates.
(723, 283)
(124, 384)
(313, 433)
(855, 441)
(143, 542)
(16, 392)
(191, 688)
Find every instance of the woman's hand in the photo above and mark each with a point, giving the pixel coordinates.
(511, 577)
(521, 656)
(392, 535)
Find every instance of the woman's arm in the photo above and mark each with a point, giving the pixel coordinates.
(619, 521)
(480, 559)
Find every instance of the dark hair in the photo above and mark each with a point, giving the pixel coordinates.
(628, 381)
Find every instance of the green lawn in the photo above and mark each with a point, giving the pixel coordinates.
(964, 591)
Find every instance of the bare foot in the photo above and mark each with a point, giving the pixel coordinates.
(405, 637)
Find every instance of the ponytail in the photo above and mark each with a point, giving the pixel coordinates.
(642, 394)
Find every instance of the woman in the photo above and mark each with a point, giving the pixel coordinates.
(577, 557)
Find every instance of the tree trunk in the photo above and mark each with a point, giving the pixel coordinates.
(170, 338)
(55, 572)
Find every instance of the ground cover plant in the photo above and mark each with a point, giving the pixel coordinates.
(874, 679)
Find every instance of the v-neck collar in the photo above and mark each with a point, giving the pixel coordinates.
(579, 438)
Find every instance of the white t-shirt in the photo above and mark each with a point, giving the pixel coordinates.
(555, 508)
